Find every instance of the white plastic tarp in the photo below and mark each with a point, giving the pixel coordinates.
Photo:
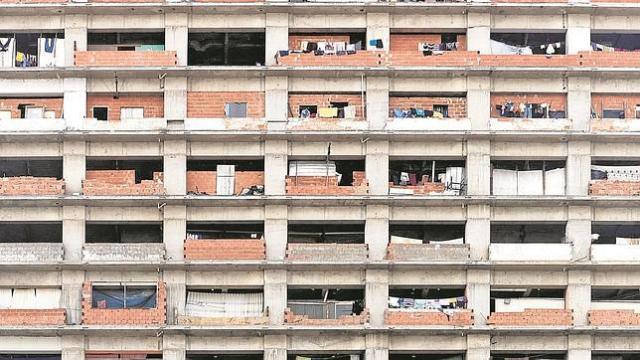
(312, 168)
(29, 298)
(519, 304)
(554, 182)
(55, 58)
(505, 182)
(224, 304)
(530, 182)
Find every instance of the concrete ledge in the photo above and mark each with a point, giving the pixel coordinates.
(530, 252)
(428, 252)
(31, 253)
(327, 252)
(123, 252)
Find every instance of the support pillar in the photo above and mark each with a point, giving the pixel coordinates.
(275, 295)
(378, 28)
(74, 165)
(377, 102)
(176, 285)
(578, 168)
(73, 232)
(275, 231)
(275, 166)
(175, 99)
(478, 167)
(377, 347)
(276, 102)
(377, 166)
(579, 347)
(174, 347)
(71, 298)
(579, 102)
(176, 35)
(275, 347)
(478, 231)
(479, 32)
(376, 231)
(578, 33)
(479, 102)
(578, 232)
(74, 102)
(174, 231)
(276, 36)
(578, 296)
(75, 36)
(478, 346)
(376, 295)
(72, 347)
(479, 295)
(175, 167)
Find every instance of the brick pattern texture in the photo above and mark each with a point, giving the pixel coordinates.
(614, 318)
(408, 43)
(614, 188)
(425, 187)
(209, 321)
(120, 182)
(225, 249)
(294, 319)
(205, 182)
(327, 252)
(324, 100)
(153, 104)
(626, 102)
(30, 185)
(296, 40)
(210, 104)
(49, 104)
(33, 1)
(532, 317)
(428, 317)
(125, 58)
(94, 316)
(457, 104)
(557, 102)
(32, 317)
(326, 185)
(428, 252)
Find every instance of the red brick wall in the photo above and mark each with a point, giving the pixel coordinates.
(93, 316)
(12, 317)
(293, 319)
(433, 317)
(210, 104)
(125, 58)
(627, 102)
(324, 100)
(295, 40)
(457, 104)
(614, 188)
(153, 104)
(425, 189)
(409, 42)
(224, 249)
(205, 182)
(323, 185)
(528, 1)
(560, 317)
(557, 102)
(29, 185)
(120, 182)
(49, 104)
(614, 318)
(33, 1)
(361, 58)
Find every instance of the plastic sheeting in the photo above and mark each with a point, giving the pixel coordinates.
(511, 182)
(555, 182)
(121, 298)
(500, 48)
(30, 298)
(224, 304)
(530, 182)
(312, 168)
(505, 182)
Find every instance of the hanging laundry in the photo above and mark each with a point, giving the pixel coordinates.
(349, 112)
(49, 45)
(500, 48)
(328, 112)
(4, 44)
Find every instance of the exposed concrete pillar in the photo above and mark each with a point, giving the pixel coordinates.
(74, 165)
(376, 295)
(377, 347)
(478, 346)
(175, 167)
(578, 295)
(378, 28)
(75, 101)
(376, 230)
(275, 166)
(275, 294)
(578, 168)
(479, 101)
(276, 101)
(72, 347)
(176, 35)
(176, 285)
(174, 231)
(71, 298)
(579, 347)
(377, 108)
(479, 32)
(478, 167)
(173, 347)
(477, 231)
(275, 231)
(377, 166)
(579, 102)
(175, 98)
(75, 36)
(73, 234)
(578, 232)
(276, 36)
(479, 294)
(578, 33)
(275, 347)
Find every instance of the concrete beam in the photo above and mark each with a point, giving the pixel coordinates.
(376, 295)
(377, 231)
(174, 231)
(276, 231)
(377, 167)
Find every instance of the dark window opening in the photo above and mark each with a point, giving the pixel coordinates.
(129, 41)
(427, 233)
(415, 172)
(219, 48)
(343, 169)
(538, 43)
(426, 356)
(427, 298)
(216, 231)
(37, 168)
(30, 356)
(615, 355)
(124, 296)
(504, 296)
(325, 356)
(325, 303)
(32, 232)
(308, 111)
(128, 233)
(542, 355)
(109, 355)
(531, 233)
(616, 42)
(604, 233)
(144, 168)
(326, 233)
(527, 165)
(442, 109)
(615, 294)
(308, 42)
(212, 165)
(101, 113)
(192, 355)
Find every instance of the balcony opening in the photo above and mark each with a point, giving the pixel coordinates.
(615, 299)
(124, 296)
(427, 105)
(225, 231)
(527, 43)
(529, 106)
(426, 356)
(615, 234)
(225, 177)
(124, 170)
(528, 177)
(330, 43)
(615, 106)
(528, 233)
(615, 178)
(443, 299)
(34, 356)
(327, 172)
(327, 303)
(124, 106)
(22, 50)
(611, 42)
(31, 232)
(426, 233)
(326, 233)
(522, 299)
(48, 168)
(126, 41)
(123, 233)
(198, 355)
(428, 176)
(314, 355)
(94, 355)
(223, 303)
(226, 48)
(326, 105)
(427, 44)
(30, 108)
(225, 241)
(615, 355)
(526, 355)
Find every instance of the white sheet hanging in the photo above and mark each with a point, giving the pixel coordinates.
(500, 48)
(554, 182)
(7, 57)
(530, 182)
(224, 304)
(505, 182)
(51, 59)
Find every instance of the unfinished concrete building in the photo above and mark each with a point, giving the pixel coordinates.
(320, 179)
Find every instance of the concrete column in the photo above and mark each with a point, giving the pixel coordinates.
(275, 166)
(478, 167)
(276, 35)
(377, 166)
(377, 347)
(176, 35)
(479, 294)
(175, 98)
(74, 102)
(275, 231)
(275, 347)
(579, 347)
(175, 167)
(72, 347)
(376, 295)
(176, 285)
(376, 231)
(275, 294)
(173, 347)
(378, 28)
(578, 168)
(377, 102)
(276, 101)
(578, 232)
(174, 231)
(478, 346)
(478, 231)
(75, 36)
(74, 165)
(578, 33)
(578, 295)
(479, 32)
(73, 234)
(579, 102)
(71, 298)
(479, 101)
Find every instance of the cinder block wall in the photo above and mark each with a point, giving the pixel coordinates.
(210, 104)
(153, 104)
